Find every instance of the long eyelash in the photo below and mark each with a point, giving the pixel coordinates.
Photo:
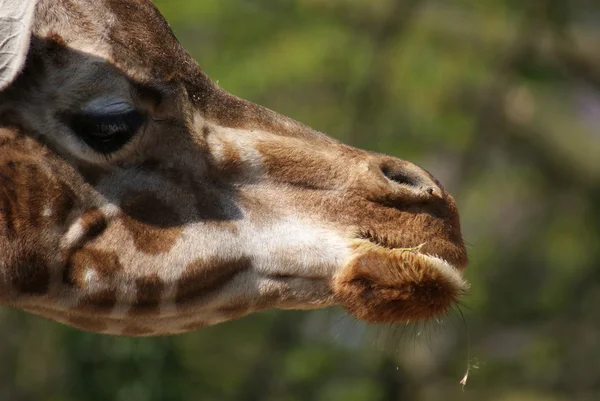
(106, 133)
(107, 123)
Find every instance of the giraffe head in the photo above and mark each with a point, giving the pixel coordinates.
(137, 197)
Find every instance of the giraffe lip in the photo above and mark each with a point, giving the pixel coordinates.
(445, 253)
(375, 242)
(449, 269)
(386, 243)
(381, 284)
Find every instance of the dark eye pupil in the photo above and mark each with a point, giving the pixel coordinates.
(106, 133)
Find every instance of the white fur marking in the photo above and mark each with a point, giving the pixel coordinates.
(73, 235)
(448, 271)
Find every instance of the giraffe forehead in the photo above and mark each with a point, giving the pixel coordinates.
(76, 24)
(130, 34)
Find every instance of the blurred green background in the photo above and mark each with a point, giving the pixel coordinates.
(500, 99)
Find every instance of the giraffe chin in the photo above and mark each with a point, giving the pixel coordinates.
(382, 285)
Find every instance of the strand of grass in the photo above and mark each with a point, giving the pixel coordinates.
(412, 249)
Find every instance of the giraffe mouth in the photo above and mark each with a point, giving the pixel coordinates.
(383, 283)
(442, 249)
(384, 241)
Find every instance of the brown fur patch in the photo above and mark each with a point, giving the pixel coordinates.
(64, 204)
(148, 294)
(232, 166)
(24, 188)
(29, 272)
(105, 264)
(153, 224)
(93, 222)
(203, 277)
(303, 166)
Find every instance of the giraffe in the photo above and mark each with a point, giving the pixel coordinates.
(138, 198)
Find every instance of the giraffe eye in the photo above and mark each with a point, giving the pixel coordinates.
(105, 124)
(106, 133)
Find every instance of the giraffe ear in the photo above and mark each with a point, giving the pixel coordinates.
(16, 20)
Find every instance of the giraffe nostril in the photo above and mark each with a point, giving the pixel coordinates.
(400, 177)
(410, 176)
